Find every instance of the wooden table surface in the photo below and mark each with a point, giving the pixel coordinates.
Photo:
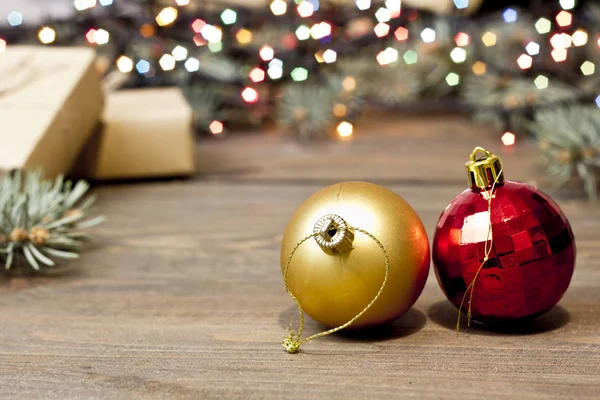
(181, 294)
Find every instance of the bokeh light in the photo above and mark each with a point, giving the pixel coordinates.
(458, 55)
(387, 56)
(381, 29)
(216, 127)
(143, 67)
(305, 9)
(541, 82)
(278, 7)
(124, 64)
(266, 53)
(345, 129)
(167, 62)
(14, 18)
(559, 55)
(47, 35)
(228, 16)
(363, 4)
(479, 68)
(180, 53)
(508, 139)
(401, 34)
(329, 56)
(244, 36)
(525, 61)
(250, 95)
(543, 25)
(579, 38)
(452, 79)
(588, 68)
(167, 16)
(489, 39)
(532, 48)
(510, 15)
(462, 39)
(192, 64)
(257, 75)
(299, 74)
(410, 57)
(564, 18)
(428, 35)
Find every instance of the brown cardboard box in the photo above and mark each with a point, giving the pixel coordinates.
(50, 103)
(144, 133)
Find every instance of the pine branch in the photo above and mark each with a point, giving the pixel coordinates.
(569, 139)
(39, 218)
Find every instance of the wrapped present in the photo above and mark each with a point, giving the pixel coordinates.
(144, 133)
(50, 103)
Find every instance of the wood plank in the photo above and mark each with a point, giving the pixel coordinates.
(181, 296)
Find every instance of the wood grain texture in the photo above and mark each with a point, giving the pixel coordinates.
(181, 295)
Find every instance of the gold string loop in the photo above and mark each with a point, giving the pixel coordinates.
(293, 341)
(488, 249)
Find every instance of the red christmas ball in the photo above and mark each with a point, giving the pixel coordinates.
(531, 248)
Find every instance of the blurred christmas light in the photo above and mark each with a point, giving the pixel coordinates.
(276, 63)
(124, 64)
(383, 15)
(215, 47)
(275, 72)
(192, 64)
(321, 30)
(543, 25)
(532, 48)
(228, 16)
(250, 95)
(340, 110)
(167, 62)
(461, 4)
(345, 129)
(395, 7)
(197, 25)
(363, 4)
(489, 39)
(349, 84)
(564, 18)
(14, 18)
(305, 9)
(167, 16)
(91, 36)
(147, 30)
(588, 68)
(410, 57)
(567, 4)
(106, 3)
(211, 33)
(299, 74)
(598, 101)
(101, 37)
(462, 39)
(143, 67)
(452, 79)
(541, 82)
(525, 61)
(180, 3)
(401, 34)
(278, 7)
(180, 53)
(458, 55)
(243, 36)
(510, 15)
(508, 139)
(319, 56)
(330, 56)
(47, 35)
(199, 40)
(266, 53)
(81, 5)
(387, 56)
(381, 29)
(479, 68)
(428, 35)
(315, 4)
(303, 32)
(579, 37)
(216, 127)
(2, 45)
(257, 75)
(560, 41)
(559, 55)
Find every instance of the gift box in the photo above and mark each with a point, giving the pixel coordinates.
(50, 103)
(144, 133)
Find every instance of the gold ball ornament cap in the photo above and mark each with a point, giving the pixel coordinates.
(350, 232)
(484, 170)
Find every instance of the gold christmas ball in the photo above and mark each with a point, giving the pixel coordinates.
(334, 284)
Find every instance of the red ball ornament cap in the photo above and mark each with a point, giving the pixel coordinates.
(502, 249)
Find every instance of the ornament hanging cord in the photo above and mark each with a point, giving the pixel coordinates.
(293, 341)
(488, 249)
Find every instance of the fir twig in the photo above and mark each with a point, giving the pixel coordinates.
(41, 218)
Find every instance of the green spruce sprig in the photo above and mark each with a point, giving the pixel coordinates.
(40, 220)
(569, 139)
